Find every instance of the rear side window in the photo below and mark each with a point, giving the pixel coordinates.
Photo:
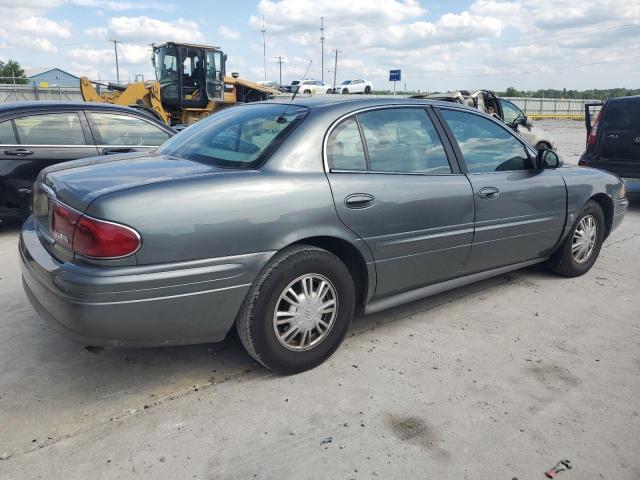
(239, 137)
(7, 135)
(344, 148)
(50, 129)
(116, 129)
(622, 115)
(403, 140)
(485, 145)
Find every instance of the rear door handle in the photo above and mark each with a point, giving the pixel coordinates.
(359, 200)
(114, 150)
(21, 152)
(489, 192)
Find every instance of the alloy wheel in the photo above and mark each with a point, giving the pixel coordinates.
(584, 239)
(305, 312)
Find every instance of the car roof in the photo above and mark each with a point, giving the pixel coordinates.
(37, 105)
(338, 103)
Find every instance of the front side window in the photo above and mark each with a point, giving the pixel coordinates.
(50, 129)
(485, 145)
(7, 135)
(115, 129)
(510, 112)
(344, 147)
(239, 137)
(403, 140)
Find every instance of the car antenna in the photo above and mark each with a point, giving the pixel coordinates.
(281, 118)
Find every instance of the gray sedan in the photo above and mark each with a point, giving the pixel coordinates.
(283, 219)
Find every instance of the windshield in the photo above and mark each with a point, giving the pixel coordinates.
(166, 64)
(346, 82)
(239, 137)
(295, 82)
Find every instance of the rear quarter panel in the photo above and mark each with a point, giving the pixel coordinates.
(583, 184)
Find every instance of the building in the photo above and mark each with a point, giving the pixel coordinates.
(51, 77)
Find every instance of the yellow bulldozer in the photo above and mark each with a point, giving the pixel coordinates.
(191, 84)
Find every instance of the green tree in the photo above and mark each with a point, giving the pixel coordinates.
(10, 71)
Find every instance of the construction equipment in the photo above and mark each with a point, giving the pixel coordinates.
(191, 84)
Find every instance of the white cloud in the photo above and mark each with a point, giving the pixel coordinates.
(228, 33)
(43, 26)
(149, 29)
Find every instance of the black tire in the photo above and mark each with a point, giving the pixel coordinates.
(345, 91)
(307, 92)
(563, 260)
(255, 322)
(367, 90)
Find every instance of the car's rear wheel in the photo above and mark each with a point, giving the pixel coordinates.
(298, 310)
(582, 246)
(367, 89)
(307, 92)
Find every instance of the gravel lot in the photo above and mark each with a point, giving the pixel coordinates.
(500, 379)
(569, 137)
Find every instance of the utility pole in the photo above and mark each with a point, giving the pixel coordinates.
(264, 48)
(335, 66)
(280, 62)
(115, 47)
(322, 50)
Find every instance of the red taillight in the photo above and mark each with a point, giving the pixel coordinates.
(97, 238)
(63, 224)
(92, 237)
(594, 130)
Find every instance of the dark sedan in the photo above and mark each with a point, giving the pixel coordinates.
(283, 219)
(34, 135)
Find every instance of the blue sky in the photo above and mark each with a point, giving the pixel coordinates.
(438, 45)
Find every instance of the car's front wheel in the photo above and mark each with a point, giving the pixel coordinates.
(582, 246)
(298, 310)
(367, 89)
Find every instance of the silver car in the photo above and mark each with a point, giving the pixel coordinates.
(284, 219)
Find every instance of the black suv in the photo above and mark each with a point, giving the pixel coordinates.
(613, 139)
(34, 135)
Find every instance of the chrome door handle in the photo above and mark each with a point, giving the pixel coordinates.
(21, 152)
(359, 200)
(489, 192)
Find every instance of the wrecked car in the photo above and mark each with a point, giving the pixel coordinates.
(500, 108)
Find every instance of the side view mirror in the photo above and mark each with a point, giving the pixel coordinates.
(547, 159)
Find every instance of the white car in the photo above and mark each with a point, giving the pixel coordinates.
(354, 86)
(310, 87)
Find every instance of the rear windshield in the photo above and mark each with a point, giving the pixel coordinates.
(623, 114)
(238, 137)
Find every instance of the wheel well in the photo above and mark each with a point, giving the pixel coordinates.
(350, 256)
(607, 207)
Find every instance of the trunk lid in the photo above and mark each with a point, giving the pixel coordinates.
(77, 183)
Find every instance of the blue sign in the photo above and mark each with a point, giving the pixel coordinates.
(394, 75)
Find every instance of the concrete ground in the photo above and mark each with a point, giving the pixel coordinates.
(501, 379)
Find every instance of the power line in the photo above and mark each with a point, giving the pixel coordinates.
(264, 48)
(115, 48)
(335, 66)
(280, 62)
(322, 49)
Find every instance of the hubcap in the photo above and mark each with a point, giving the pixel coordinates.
(305, 312)
(584, 239)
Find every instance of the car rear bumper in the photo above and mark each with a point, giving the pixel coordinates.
(168, 304)
(632, 185)
(619, 209)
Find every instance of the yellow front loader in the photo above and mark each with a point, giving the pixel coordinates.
(190, 85)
